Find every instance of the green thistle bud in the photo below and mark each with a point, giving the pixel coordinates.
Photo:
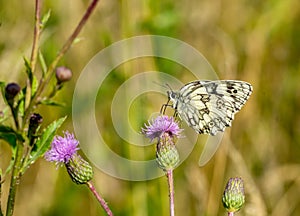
(79, 170)
(234, 196)
(167, 155)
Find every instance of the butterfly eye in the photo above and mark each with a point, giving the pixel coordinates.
(171, 94)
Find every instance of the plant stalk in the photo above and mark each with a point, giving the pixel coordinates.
(171, 191)
(15, 179)
(36, 35)
(100, 199)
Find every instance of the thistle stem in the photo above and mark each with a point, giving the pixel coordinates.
(15, 178)
(230, 213)
(36, 35)
(100, 199)
(171, 191)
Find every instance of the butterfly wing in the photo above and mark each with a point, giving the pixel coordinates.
(209, 106)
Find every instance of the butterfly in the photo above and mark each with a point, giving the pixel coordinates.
(209, 106)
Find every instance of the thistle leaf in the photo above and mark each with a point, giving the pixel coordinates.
(44, 142)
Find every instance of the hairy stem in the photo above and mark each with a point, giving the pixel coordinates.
(100, 199)
(171, 191)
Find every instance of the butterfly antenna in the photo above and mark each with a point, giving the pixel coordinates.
(168, 86)
(164, 106)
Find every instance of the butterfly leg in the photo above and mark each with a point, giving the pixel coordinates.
(164, 107)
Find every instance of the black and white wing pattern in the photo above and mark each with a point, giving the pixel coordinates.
(209, 106)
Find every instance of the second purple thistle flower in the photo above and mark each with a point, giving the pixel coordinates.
(160, 125)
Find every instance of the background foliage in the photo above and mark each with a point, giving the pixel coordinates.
(256, 41)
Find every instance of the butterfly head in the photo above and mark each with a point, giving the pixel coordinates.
(173, 96)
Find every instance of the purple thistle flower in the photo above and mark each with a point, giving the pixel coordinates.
(62, 149)
(160, 125)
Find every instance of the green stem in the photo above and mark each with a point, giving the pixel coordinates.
(15, 179)
(34, 53)
(36, 35)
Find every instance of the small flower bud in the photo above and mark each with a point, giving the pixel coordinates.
(167, 155)
(11, 90)
(35, 120)
(79, 170)
(63, 74)
(234, 196)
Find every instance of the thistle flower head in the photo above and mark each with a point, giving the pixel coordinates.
(62, 149)
(234, 196)
(160, 125)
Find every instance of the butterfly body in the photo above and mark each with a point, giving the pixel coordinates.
(209, 106)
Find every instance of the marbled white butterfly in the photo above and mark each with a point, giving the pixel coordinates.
(209, 106)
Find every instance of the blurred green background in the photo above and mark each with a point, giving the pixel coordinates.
(255, 41)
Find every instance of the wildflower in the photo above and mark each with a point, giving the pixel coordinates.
(160, 125)
(234, 196)
(166, 129)
(62, 149)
